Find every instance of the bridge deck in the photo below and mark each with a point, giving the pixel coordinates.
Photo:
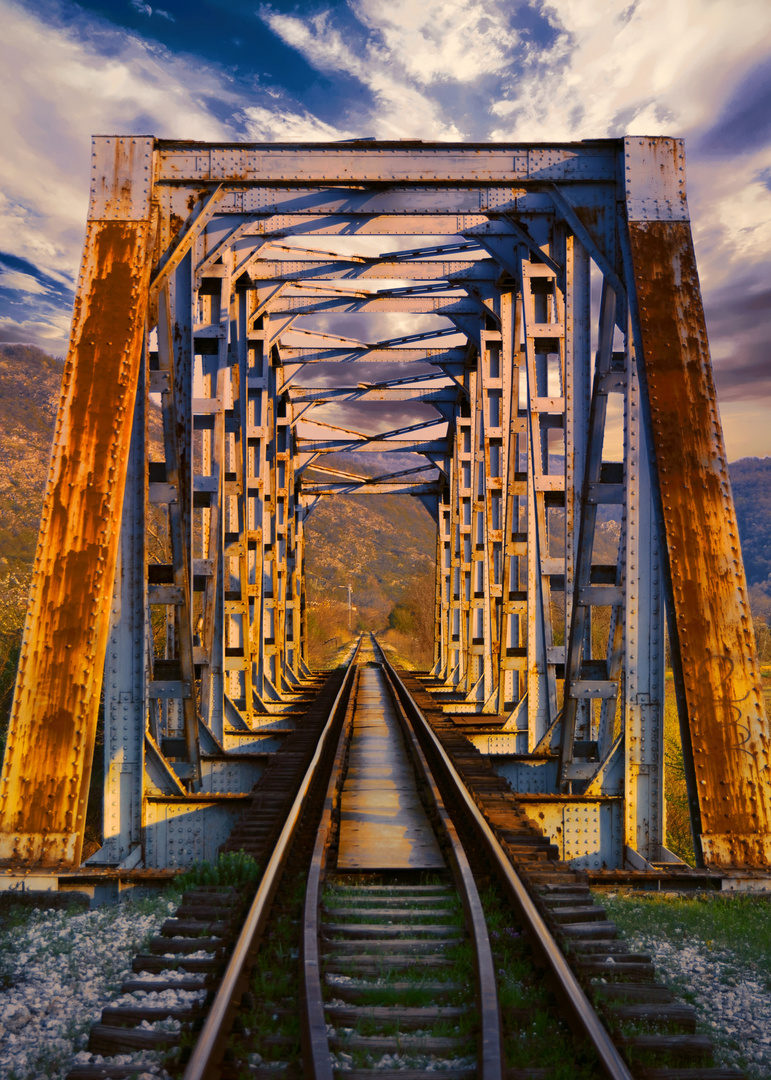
(383, 824)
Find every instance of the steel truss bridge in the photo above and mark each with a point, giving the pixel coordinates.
(543, 308)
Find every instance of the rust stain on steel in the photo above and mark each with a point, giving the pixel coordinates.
(47, 765)
(728, 724)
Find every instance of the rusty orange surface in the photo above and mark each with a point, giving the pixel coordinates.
(729, 728)
(47, 765)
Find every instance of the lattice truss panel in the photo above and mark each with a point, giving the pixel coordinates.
(532, 315)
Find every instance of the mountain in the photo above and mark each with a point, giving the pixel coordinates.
(377, 544)
(751, 484)
(29, 395)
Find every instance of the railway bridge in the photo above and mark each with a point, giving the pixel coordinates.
(532, 316)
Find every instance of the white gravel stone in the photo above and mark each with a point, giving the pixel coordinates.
(57, 972)
(732, 1001)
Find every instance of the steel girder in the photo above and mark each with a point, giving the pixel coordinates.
(171, 554)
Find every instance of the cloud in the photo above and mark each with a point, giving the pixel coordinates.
(439, 40)
(744, 123)
(654, 68)
(739, 320)
(514, 70)
(145, 9)
(51, 334)
(400, 109)
(19, 282)
(60, 86)
(285, 125)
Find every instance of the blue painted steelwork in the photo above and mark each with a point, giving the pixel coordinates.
(208, 642)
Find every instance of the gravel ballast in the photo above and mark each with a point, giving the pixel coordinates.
(58, 970)
(729, 992)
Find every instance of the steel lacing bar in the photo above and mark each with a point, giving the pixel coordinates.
(209, 1047)
(611, 1061)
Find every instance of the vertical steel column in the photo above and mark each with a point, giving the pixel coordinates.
(295, 568)
(578, 389)
(269, 683)
(491, 507)
(724, 726)
(479, 686)
(174, 677)
(460, 541)
(125, 672)
(209, 421)
(258, 487)
(49, 754)
(514, 607)
(643, 722)
(443, 588)
(238, 656)
(592, 679)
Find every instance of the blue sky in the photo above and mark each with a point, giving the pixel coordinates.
(434, 69)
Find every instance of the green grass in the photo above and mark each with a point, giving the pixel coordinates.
(460, 955)
(274, 985)
(679, 838)
(740, 923)
(536, 1039)
(231, 869)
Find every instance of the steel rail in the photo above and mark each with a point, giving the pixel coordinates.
(315, 1044)
(568, 985)
(490, 1043)
(316, 1057)
(209, 1047)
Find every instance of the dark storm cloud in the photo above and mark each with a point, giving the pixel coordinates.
(745, 122)
(739, 325)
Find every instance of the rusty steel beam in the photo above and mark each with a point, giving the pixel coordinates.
(522, 462)
(47, 766)
(726, 727)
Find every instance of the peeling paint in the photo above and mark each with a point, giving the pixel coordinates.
(729, 729)
(60, 670)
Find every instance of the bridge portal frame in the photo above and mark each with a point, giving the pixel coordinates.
(186, 292)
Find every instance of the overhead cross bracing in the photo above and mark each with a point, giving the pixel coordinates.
(283, 302)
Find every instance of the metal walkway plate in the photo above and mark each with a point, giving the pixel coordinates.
(383, 825)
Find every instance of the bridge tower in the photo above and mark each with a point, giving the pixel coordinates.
(545, 347)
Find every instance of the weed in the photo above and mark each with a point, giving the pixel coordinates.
(739, 923)
(232, 869)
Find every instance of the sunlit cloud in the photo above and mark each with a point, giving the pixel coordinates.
(284, 125)
(19, 282)
(51, 333)
(400, 107)
(438, 70)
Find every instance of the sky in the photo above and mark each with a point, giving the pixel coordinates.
(435, 69)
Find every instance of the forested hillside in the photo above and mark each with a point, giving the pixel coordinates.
(29, 393)
(376, 543)
(751, 483)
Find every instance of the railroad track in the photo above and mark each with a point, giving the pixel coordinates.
(401, 879)
(602, 985)
(216, 929)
